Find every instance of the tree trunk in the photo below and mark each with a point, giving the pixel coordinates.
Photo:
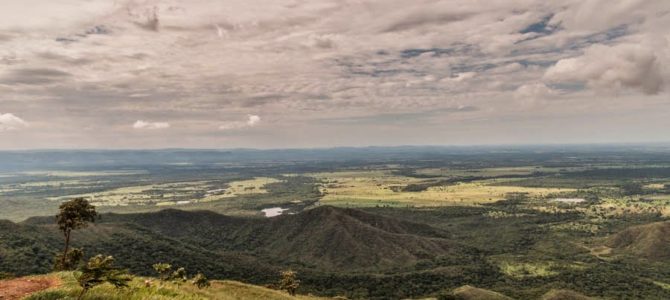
(67, 248)
(81, 295)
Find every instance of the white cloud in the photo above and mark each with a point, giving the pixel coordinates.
(534, 91)
(139, 124)
(32, 14)
(461, 77)
(252, 120)
(11, 122)
(608, 68)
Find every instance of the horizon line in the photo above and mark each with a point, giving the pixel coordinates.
(520, 145)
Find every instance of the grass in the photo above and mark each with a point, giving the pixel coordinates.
(663, 285)
(523, 170)
(243, 187)
(167, 194)
(472, 293)
(380, 188)
(138, 290)
(527, 269)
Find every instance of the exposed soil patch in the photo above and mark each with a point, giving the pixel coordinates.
(15, 289)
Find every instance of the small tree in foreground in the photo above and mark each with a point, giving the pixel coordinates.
(289, 281)
(179, 275)
(74, 214)
(201, 281)
(98, 270)
(163, 270)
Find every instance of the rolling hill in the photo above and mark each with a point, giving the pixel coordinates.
(335, 250)
(325, 237)
(650, 241)
(467, 292)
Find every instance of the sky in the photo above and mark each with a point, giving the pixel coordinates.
(325, 73)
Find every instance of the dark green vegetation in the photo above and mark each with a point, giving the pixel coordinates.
(600, 230)
(361, 254)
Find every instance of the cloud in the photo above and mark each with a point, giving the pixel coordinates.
(34, 76)
(609, 68)
(252, 120)
(149, 18)
(534, 91)
(139, 124)
(39, 14)
(421, 17)
(193, 61)
(9, 121)
(461, 77)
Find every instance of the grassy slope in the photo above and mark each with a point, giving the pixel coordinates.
(565, 295)
(472, 293)
(650, 241)
(223, 290)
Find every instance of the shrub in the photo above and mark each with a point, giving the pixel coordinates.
(98, 270)
(289, 281)
(163, 270)
(201, 281)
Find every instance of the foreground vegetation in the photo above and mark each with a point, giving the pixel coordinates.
(141, 288)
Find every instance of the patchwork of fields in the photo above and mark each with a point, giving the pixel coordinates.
(382, 188)
(378, 186)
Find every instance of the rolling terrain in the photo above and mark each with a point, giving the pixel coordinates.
(403, 223)
(649, 241)
(360, 254)
(326, 237)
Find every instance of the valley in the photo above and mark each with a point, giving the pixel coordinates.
(409, 223)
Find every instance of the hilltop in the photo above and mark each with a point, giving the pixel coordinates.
(468, 292)
(650, 241)
(64, 286)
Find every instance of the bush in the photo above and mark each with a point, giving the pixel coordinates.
(163, 270)
(179, 275)
(98, 270)
(289, 282)
(201, 281)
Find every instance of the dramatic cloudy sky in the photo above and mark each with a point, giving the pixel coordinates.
(319, 73)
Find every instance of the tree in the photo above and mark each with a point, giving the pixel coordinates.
(98, 270)
(179, 275)
(6, 275)
(73, 258)
(74, 214)
(289, 281)
(631, 188)
(201, 281)
(163, 270)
